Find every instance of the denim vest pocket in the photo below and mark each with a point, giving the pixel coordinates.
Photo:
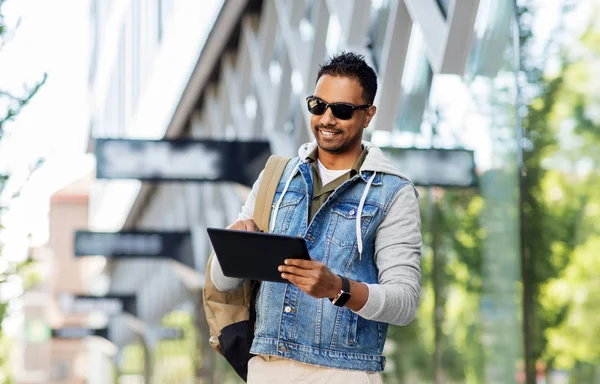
(353, 329)
(286, 211)
(344, 222)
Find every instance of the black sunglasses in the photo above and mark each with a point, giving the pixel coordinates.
(342, 111)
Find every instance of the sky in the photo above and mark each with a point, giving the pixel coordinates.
(52, 38)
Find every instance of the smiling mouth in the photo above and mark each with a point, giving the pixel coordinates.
(328, 133)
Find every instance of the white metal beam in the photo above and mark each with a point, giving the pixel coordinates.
(261, 81)
(233, 100)
(358, 24)
(391, 67)
(448, 41)
(461, 21)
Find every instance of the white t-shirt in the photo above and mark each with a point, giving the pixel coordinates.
(328, 175)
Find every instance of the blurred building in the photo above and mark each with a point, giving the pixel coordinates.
(32, 357)
(46, 359)
(241, 69)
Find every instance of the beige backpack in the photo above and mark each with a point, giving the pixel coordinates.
(231, 314)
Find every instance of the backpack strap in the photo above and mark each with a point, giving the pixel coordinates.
(231, 315)
(266, 190)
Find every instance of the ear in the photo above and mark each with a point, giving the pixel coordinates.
(369, 115)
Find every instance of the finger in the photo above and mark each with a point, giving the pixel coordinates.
(238, 226)
(304, 284)
(300, 263)
(250, 225)
(244, 225)
(299, 281)
(295, 270)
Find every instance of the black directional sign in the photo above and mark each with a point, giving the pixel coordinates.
(168, 333)
(175, 245)
(181, 160)
(435, 167)
(111, 305)
(79, 332)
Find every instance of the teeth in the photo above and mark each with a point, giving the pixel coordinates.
(327, 133)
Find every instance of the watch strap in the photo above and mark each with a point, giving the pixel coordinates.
(344, 295)
(345, 284)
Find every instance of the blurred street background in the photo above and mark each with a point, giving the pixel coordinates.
(127, 127)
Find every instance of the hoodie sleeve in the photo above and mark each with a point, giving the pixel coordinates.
(222, 282)
(397, 254)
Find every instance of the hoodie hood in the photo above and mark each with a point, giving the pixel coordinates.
(374, 162)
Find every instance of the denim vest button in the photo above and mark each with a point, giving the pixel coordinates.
(288, 309)
(282, 348)
(352, 212)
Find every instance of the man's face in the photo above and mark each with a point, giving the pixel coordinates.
(334, 135)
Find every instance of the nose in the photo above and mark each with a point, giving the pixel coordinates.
(327, 119)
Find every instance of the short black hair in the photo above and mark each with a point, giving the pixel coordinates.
(350, 64)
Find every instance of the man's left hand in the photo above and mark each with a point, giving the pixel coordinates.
(313, 277)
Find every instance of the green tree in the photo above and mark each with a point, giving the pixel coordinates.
(11, 104)
(570, 193)
(559, 194)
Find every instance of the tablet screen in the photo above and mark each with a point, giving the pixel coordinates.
(255, 255)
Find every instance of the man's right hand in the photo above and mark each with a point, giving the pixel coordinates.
(245, 225)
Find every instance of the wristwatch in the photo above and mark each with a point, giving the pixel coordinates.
(344, 295)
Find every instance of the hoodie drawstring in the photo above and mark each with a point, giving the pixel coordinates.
(287, 185)
(359, 215)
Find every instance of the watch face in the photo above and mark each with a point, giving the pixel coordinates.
(341, 301)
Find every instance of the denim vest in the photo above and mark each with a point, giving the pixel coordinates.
(290, 323)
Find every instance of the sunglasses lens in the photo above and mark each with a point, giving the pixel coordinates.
(316, 106)
(341, 111)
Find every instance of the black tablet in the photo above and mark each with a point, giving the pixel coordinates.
(255, 255)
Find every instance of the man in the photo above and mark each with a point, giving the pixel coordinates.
(360, 219)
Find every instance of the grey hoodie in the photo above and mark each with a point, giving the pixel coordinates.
(397, 248)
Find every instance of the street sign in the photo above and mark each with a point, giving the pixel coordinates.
(181, 160)
(111, 305)
(79, 332)
(175, 245)
(155, 334)
(452, 168)
(167, 333)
